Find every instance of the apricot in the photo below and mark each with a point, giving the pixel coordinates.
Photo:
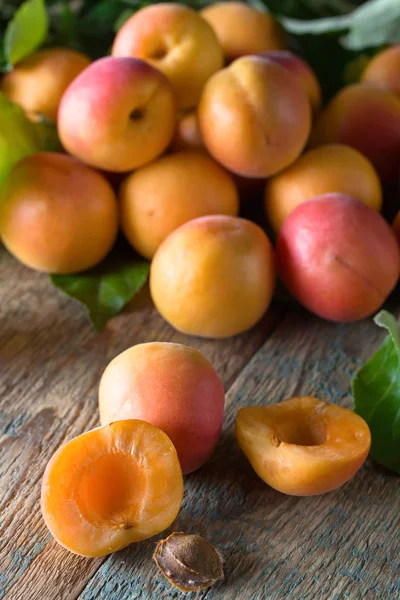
(396, 226)
(242, 30)
(368, 119)
(338, 257)
(57, 214)
(38, 82)
(158, 198)
(187, 134)
(303, 446)
(117, 115)
(213, 276)
(177, 41)
(111, 486)
(384, 70)
(171, 386)
(331, 168)
(261, 110)
(301, 71)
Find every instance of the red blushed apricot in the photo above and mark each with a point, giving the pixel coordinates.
(338, 257)
(300, 71)
(384, 70)
(368, 119)
(303, 446)
(242, 30)
(111, 486)
(57, 214)
(172, 386)
(254, 117)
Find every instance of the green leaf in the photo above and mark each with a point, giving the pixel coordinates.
(376, 392)
(106, 289)
(26, 31)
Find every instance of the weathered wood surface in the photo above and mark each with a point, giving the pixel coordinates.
(343, 545)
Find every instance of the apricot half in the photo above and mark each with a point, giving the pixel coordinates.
(303, 446)
(112, 486)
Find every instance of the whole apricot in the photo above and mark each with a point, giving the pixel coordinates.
(57, 214)
(177, 41)
(158, 198)
(117, 115)
(384, 70)
(368, 119)
(111, 486)
(325, 169)
(38, 82)
(261, 110)
(187, 134)
(242, 30)
(303, 446)
(214, 276)
(171, 386)
(338, 257)
(301, 71)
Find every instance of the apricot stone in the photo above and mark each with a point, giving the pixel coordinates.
(254, 117)
(56, 214)
(303, 446)
(158, 198)
(214, 276)
(111, 486)
(384, 70)
(242, 30)
(38, 82)
(325, 169)
(338, 257)
(171, 386)
(177, 41)
(301, 71)
(368, 119)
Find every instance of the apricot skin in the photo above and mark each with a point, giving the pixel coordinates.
(325, 169)
(38, 83)
(111, 486)
(368, 119)
(171, 386)
(384, 70)
(187, 134)
(261, 109)
(165, 194)
(338, 257)
(214, 276)
(242, 30)
(303, 446)
(57, 214)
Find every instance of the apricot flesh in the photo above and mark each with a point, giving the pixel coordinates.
(171, 386)
(303, 446)
(111, 486)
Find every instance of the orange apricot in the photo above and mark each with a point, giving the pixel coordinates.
(242, 30)
(261, 110)
(171, 386)
(368, 119)
(214, 276)
(39, 82)
(111, 486)
(303, 446)
(158, 198)
(187, 134)
(325, 169)
(384, 70)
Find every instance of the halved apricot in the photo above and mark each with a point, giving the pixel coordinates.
(112, 486)
(303, 446)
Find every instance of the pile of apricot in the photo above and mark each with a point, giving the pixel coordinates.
(196, 112)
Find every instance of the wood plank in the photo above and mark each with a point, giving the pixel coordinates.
(50, 365)
(342, 545)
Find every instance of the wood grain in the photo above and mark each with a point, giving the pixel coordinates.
(51, 363)
(342, 545)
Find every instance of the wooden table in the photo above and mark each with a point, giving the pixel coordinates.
(343, 545)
